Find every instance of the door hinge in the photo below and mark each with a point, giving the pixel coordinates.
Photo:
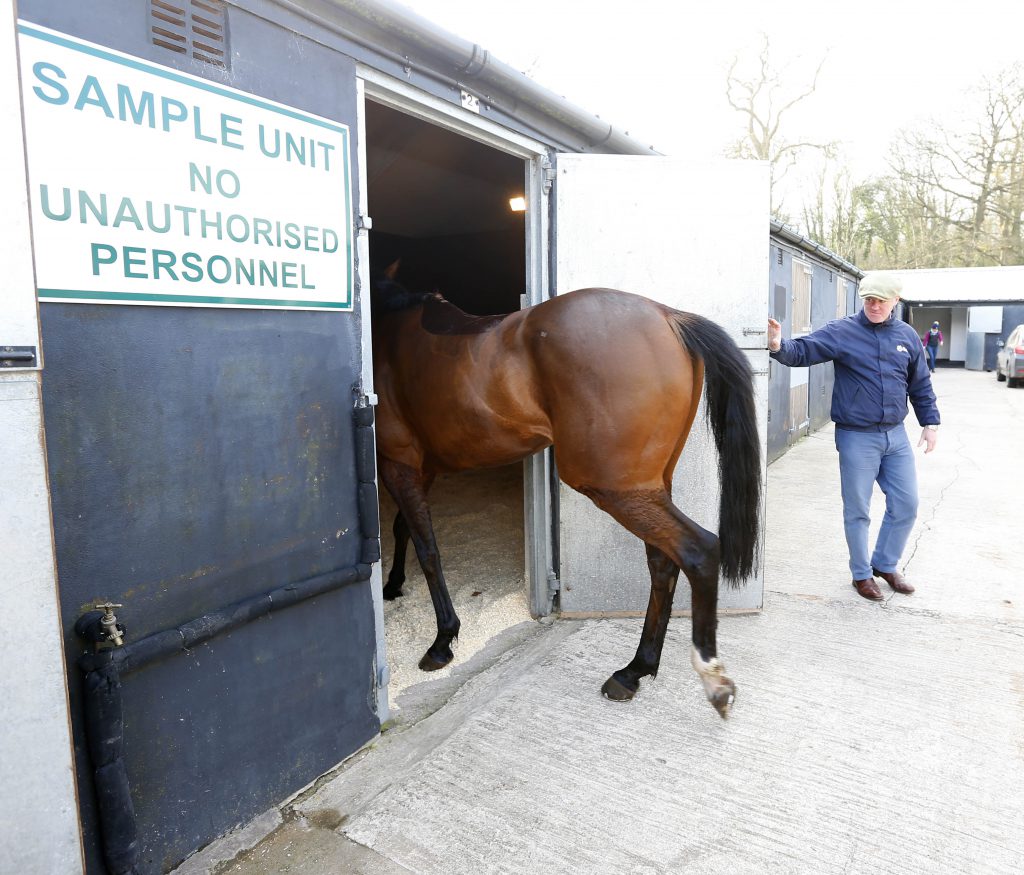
(749, 331)
(363, 399)
(548, 172)
(554, 584)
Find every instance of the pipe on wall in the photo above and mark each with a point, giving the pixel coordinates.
(104, 722)
(103, 670)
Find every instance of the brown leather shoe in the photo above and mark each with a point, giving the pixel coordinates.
(895, 580)
(867, 588)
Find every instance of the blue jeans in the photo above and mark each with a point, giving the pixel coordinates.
(885, 457)
(932, 352)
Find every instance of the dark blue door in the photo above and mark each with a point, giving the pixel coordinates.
(209, 466)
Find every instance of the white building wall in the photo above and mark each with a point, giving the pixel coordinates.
(38, 806)
(654, 225)
(958, 334)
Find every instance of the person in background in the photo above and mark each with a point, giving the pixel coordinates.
(931, 340)
(879, 364)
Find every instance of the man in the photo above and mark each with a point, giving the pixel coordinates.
(879, 363)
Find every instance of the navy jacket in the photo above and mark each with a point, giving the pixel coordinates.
(877, 367)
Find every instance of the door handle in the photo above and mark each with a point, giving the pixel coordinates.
(17, 356)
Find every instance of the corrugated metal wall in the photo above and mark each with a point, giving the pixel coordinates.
(832, 295)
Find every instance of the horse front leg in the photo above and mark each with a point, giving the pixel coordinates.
(396, 577)
(408, 487)
(400, 530)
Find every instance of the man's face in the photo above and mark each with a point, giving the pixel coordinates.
(878, 310)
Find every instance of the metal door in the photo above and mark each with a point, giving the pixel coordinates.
(690, 235)
(210, 449)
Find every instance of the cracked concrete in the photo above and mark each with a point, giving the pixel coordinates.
(866, 737)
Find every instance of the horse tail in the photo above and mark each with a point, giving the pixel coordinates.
(732, 416)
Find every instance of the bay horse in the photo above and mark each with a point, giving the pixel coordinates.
(613, 381)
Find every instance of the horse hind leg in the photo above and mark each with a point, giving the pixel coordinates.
(623, 685)
(651, 516)
(718, 687)
(408, 487)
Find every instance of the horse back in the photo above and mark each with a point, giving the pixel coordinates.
(593, 371)
(621, 389)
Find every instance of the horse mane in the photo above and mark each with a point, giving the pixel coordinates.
(392, 297)
(440, 316)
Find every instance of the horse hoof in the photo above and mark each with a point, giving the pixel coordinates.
(616, 691)
(432, 663)
(392, 593)
(722, 699)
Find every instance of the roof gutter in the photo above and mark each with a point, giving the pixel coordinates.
(959, 302)
(473, 65)
(785, 232)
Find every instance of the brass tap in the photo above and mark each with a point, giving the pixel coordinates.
(108, 622)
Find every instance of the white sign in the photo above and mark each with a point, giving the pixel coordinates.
(985, 319)
(151, 186)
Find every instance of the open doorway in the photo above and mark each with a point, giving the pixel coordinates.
(440, 202)
(952, 323)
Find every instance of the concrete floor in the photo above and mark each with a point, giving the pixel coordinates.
(866, 737)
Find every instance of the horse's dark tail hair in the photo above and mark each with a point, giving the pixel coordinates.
(732, 416)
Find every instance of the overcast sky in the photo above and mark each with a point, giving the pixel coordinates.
(656, 68)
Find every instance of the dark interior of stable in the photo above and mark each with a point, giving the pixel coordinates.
(440, 203)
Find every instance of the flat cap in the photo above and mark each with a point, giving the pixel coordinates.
(879, 284)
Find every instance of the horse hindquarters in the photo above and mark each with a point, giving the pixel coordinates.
(619, 428)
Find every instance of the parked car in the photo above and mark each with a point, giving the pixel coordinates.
(1010, 358)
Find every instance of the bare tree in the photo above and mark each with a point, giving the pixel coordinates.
(832, 214)
(764, 99)
(899, 224)
(957, 195)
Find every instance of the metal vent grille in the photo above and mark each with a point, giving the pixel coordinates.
(194, 28)
(778, 258)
